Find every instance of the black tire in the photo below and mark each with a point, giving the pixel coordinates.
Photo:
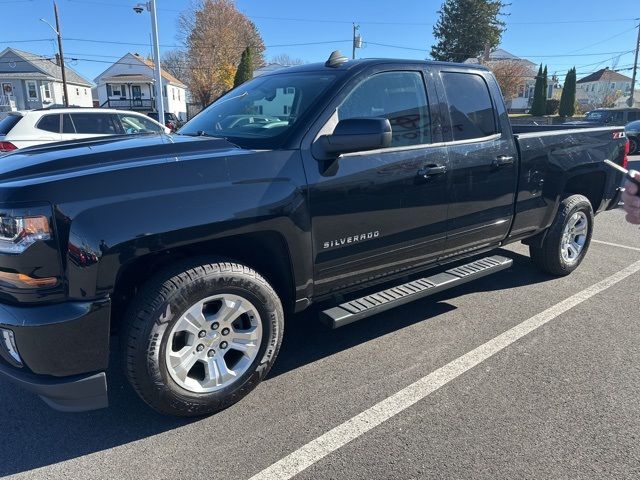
(548, 257)
(633, 146)
(162, 301)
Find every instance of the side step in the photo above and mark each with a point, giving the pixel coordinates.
(363, 307)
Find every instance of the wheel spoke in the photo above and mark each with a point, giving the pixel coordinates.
(184, 359)
(192, 320)
(229, 311)
(217, 371)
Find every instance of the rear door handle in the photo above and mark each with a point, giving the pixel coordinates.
(432, 171)
(503, 161)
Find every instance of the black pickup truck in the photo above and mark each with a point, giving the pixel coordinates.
(335, 184)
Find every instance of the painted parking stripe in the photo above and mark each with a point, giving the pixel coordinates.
(317, 449)
(615, 245)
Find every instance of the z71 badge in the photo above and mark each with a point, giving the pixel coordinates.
(352, 239)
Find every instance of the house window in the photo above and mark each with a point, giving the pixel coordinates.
(32, 90)
(117, 90)
(173, 93)
(291, 90)
(164, 90)
(78, 92)
(47, 90)
(178, 94)
(109, 91)
(613, 85)
(286, 109)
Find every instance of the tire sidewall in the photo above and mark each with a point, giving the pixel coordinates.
(165, 317)
(581, 205)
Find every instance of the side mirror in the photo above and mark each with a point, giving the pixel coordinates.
(353, 135)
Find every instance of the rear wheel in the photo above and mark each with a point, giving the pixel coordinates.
(568, 238)
(200, 337)
(633, 146)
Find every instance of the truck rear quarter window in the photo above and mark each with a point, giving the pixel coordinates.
(398, 96)
(470, 107)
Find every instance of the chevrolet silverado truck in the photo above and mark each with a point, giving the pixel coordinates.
(356, 186)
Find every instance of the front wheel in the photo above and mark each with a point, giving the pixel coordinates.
(199, 337)
(568, 238)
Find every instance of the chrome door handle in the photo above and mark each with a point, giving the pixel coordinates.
(432, 171)
(503, 161)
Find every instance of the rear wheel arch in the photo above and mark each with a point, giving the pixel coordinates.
(591, 185)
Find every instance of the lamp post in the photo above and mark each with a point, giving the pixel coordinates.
(151, 8)
(56, 30)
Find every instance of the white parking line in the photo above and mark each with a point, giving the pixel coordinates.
(615, 245)
(353, 428)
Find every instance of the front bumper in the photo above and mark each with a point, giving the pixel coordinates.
(64, 350)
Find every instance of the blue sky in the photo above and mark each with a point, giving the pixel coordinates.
(589, 34)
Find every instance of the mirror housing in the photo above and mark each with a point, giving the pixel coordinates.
(353, 135)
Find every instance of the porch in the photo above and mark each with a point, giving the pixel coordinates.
(128, 92)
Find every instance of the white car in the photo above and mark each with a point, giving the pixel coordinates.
(35, 127)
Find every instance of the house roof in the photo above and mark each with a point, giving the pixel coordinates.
(605, 75)
(500, 54)
(166, 75)
(49, 68)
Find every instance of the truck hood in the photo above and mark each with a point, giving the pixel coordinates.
(77, 155)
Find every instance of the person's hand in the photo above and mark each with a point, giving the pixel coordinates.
(631, 200)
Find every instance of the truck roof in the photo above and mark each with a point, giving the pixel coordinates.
(358, 64)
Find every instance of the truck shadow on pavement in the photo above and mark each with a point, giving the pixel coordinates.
(36, 436)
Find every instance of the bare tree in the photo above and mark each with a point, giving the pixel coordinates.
(609, 100)
(286, 59)
(511, 75)
(176, 62)
(215, 34)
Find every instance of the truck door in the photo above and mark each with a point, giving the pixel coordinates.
(482, 160)
(379, 212)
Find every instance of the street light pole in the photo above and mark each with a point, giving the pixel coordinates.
(56, 30)
(151, 8)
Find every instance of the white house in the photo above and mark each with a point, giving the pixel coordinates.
(593, 89)
(129, 84)
(29, 81)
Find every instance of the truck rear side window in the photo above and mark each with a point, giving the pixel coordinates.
(398, 96)
(470, 107)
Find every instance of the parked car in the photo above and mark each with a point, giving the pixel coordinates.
(193, 249)
(171, 121)
(35, 127)
(632, 131)
(608, 116)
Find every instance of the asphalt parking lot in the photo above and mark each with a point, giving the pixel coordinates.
(559, 400)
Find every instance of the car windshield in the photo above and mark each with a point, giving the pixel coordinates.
(597, 115)
(259, 113)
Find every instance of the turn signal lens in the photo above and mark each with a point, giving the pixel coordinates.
(20, 280)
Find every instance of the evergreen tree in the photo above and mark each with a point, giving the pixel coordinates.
(245, 69)
(539, 106)
(568, 97)
(465, 26)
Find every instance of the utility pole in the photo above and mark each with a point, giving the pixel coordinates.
(353, 54)
(56, 30)
(64, 74)
(635, 69)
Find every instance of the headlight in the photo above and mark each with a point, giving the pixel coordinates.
(17, 233)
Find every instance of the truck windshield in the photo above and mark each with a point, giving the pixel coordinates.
(261, 112)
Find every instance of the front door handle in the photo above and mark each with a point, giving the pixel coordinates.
(503, 161)
(432, 171)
